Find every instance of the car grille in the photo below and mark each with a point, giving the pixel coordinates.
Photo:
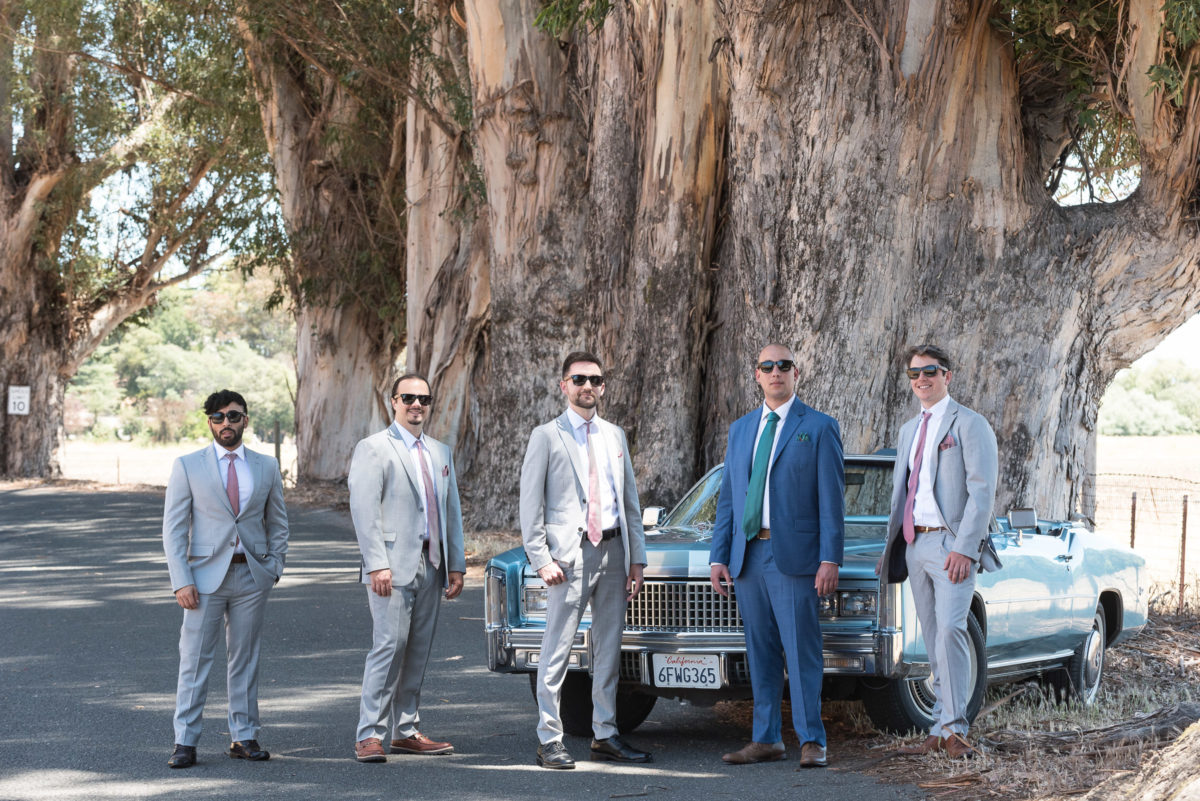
(682, 606)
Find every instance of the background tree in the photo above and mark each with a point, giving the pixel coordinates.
(126, 165)
(675, 183)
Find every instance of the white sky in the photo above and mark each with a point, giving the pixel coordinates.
(1183, 345)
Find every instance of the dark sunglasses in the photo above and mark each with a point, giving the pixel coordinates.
(408, 398)
(784, 365)
(221, 417)
(580, 380)
(930, 370)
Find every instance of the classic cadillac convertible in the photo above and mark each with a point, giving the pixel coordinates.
(1064, 595)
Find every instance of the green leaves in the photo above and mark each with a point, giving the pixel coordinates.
(563, 16)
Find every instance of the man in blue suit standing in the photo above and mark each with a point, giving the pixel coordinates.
(779, 532)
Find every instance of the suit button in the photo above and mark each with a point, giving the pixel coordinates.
(232, 543)
(581, 529)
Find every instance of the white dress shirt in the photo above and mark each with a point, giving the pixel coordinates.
(604, 464)
(925, 508)
(245, 477)
(418, 455)
(782, 411)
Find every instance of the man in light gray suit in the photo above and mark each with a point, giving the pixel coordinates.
(943, 488)
(404, 502)
(581, 525)
(225, 531)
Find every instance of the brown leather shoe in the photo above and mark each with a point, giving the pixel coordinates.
(957, 747)
(813, 756)
(369, 750)
(755, 752)
(420, 744)
(927, 746)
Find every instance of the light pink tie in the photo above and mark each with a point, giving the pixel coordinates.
(593, 512)
(431, 509)
(231, 485)
(910, 533)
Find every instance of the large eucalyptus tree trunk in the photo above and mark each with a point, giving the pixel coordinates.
(347, 259)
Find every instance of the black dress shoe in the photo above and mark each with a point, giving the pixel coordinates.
(554, 756)
(617, 750)
(184, 756)
(248, 749)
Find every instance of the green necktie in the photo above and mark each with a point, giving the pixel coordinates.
(752, 514)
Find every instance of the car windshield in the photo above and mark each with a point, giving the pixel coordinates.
(868, 494)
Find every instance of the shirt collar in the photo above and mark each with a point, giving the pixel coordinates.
(782, 411)
(577, 420)
(240, 450)
(938, 409)
(407, 436)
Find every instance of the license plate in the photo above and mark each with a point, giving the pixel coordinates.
(686, 670)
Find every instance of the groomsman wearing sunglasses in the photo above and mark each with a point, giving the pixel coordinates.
(582, 530)
(778, 535)
(943, 488)
(405, 506)
(225, 532)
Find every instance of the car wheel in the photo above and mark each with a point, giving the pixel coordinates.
(902, 705)
(1080, 679)
(575, 704)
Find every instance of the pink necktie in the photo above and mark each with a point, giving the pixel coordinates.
(910, 533)
(593, 512)
(431, 509)
(231, 484)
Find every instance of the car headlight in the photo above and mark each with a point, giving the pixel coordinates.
(857, 603)
(534, 600)
(496, 597)
(827, 606)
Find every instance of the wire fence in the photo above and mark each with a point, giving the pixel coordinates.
(1151, 514)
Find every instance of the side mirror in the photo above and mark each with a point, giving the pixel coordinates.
(1022, 517)
(652, 515)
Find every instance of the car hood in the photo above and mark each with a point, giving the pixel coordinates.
(681, 552)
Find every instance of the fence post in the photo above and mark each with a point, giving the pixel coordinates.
(1182, 554)
(1132, 518)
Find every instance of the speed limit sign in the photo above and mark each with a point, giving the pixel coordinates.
(18, 400)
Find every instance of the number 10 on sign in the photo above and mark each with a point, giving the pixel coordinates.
(18, 400)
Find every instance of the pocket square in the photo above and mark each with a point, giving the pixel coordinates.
(445, 470)
(948, 442)
(803, 437)
(620, 454)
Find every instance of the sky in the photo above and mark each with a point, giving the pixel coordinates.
(1183, 345)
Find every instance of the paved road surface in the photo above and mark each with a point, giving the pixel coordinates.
(88, 636)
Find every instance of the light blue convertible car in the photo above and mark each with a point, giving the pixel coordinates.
(1064, 595)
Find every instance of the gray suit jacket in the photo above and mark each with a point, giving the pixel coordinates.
(387, 504)
(965, 468)
(554, 482)
(200, 530)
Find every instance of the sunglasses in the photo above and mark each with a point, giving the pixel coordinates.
(784, 365)
(930, 370)
(580, 380)
(221, 417)
(408, 398)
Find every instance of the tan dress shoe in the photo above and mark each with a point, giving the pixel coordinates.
(927, 746)
(420, 744)
(369, 750)
(755, 752)
(957, 747)
(813, 756)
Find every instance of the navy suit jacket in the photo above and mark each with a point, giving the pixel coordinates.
(807, 484)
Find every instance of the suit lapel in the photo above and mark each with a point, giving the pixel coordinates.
(614, 455)
(209, 455)
(790, 424)
(567, 435)
(940, 434)
(405, 458)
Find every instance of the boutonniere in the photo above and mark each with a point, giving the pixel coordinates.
(803, 437)
(445, 470)
(620, 454)
(948, 442)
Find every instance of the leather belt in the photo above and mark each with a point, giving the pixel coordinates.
(239, 559)
(763, 534)
(927, 529)
(607, 534)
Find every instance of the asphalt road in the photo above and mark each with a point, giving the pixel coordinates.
(88, 639)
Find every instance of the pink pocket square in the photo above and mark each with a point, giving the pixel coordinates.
(620, 454)
(948, 442)
(445, 470)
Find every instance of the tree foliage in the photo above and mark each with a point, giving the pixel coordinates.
(1163, 398)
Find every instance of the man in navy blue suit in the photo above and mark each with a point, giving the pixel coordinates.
(779, 532)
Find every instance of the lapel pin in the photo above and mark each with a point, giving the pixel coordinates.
(445, 470)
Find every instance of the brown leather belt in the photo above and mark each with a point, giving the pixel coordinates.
(239, 559)
(763, 534)
(927, 529)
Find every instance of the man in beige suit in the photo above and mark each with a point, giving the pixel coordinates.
(404, 502)
(581, 525)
